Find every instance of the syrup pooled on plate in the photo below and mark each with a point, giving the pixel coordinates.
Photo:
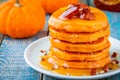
(113, 65)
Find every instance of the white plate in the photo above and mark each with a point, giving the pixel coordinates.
(32, 54)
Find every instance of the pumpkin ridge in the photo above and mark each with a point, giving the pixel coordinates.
(11, 20)
(3, 15)
(38, 18)
(28, 19)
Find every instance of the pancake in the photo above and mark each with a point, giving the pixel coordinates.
(80, 47)
(78, 25)
(93, 56)
(79, 37)
(78, 64)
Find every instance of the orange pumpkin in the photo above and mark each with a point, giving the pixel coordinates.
(52, 5)
(20, 20)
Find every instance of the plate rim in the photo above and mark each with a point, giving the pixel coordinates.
(60, 76)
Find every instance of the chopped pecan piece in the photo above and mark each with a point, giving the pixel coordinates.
(115, 54)
(115, 61)
(106, 68)
(44, 52)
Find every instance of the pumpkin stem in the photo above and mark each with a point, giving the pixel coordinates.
(17, 4)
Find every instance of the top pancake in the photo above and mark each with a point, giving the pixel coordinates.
(78, 25)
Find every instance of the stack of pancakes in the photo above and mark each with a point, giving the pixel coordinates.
(77, 43)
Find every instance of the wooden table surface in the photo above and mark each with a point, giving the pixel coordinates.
(13, 65)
